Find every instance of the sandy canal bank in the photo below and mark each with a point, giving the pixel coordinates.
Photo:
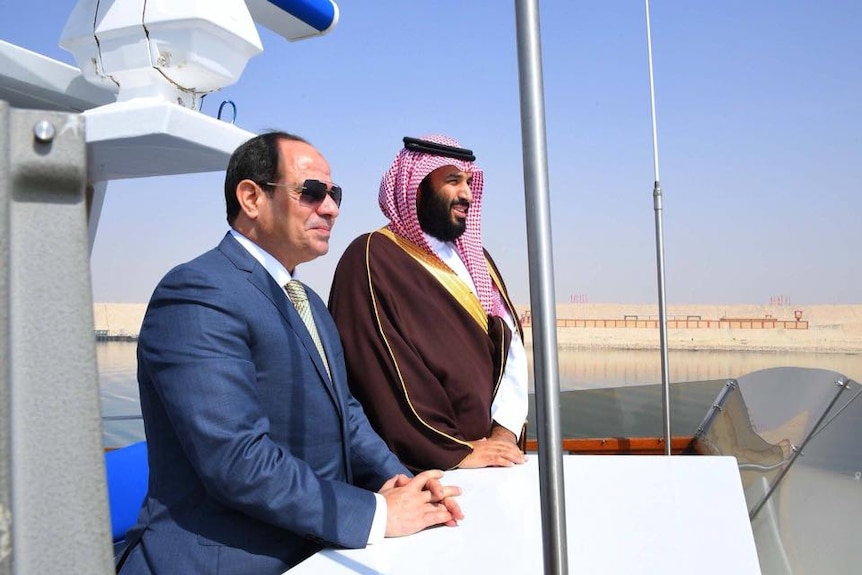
(118, 320)
(821, 328)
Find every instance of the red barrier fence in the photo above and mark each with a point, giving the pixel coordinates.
(689, 323)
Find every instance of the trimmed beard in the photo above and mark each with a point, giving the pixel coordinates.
(435, 214)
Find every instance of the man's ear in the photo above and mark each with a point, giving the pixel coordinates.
(249, 196)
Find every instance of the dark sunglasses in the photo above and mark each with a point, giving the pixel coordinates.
(314, 191)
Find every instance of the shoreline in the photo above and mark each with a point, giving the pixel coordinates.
(762, 328)
(707, 349)
(827, 328)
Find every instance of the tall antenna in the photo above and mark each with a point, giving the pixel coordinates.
(659, 249)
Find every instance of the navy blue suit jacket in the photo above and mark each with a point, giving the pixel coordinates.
(256, 458)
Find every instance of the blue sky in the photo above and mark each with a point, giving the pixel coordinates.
(759, 107)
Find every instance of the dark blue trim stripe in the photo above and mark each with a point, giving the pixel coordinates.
(318, 14)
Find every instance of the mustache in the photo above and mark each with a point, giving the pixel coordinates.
(460, 202)
(321, 223)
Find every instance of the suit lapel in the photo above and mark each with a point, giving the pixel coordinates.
(260, 278)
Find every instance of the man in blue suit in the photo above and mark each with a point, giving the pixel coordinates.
(258, 454)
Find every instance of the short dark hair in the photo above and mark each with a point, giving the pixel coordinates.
(255, 160)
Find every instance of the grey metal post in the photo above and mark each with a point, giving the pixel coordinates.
(542, 299)
(659, 254)
(5, 364)
(52, 438)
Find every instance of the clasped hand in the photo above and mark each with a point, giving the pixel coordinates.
(419, 502)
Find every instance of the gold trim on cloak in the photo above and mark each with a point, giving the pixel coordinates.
(443, 274)
(391, 236)
(459, 290)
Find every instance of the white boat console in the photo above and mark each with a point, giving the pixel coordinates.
(637, 514)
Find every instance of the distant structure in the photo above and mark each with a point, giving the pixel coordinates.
(779, 300)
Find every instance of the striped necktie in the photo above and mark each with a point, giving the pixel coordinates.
(297, 295)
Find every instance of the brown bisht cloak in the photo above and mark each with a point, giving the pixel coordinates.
(422, 356)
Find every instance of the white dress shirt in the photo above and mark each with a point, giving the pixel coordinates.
(509, 408)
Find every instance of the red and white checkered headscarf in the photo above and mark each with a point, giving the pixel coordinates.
(398, 190)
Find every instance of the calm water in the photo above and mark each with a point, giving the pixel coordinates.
(581, 369)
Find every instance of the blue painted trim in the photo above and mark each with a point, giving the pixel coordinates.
(318, 14)
(127, 473)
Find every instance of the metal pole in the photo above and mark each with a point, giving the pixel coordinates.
(542, 300)
(5, 352)
(843, 384)
(659, 249)
(53, 468)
